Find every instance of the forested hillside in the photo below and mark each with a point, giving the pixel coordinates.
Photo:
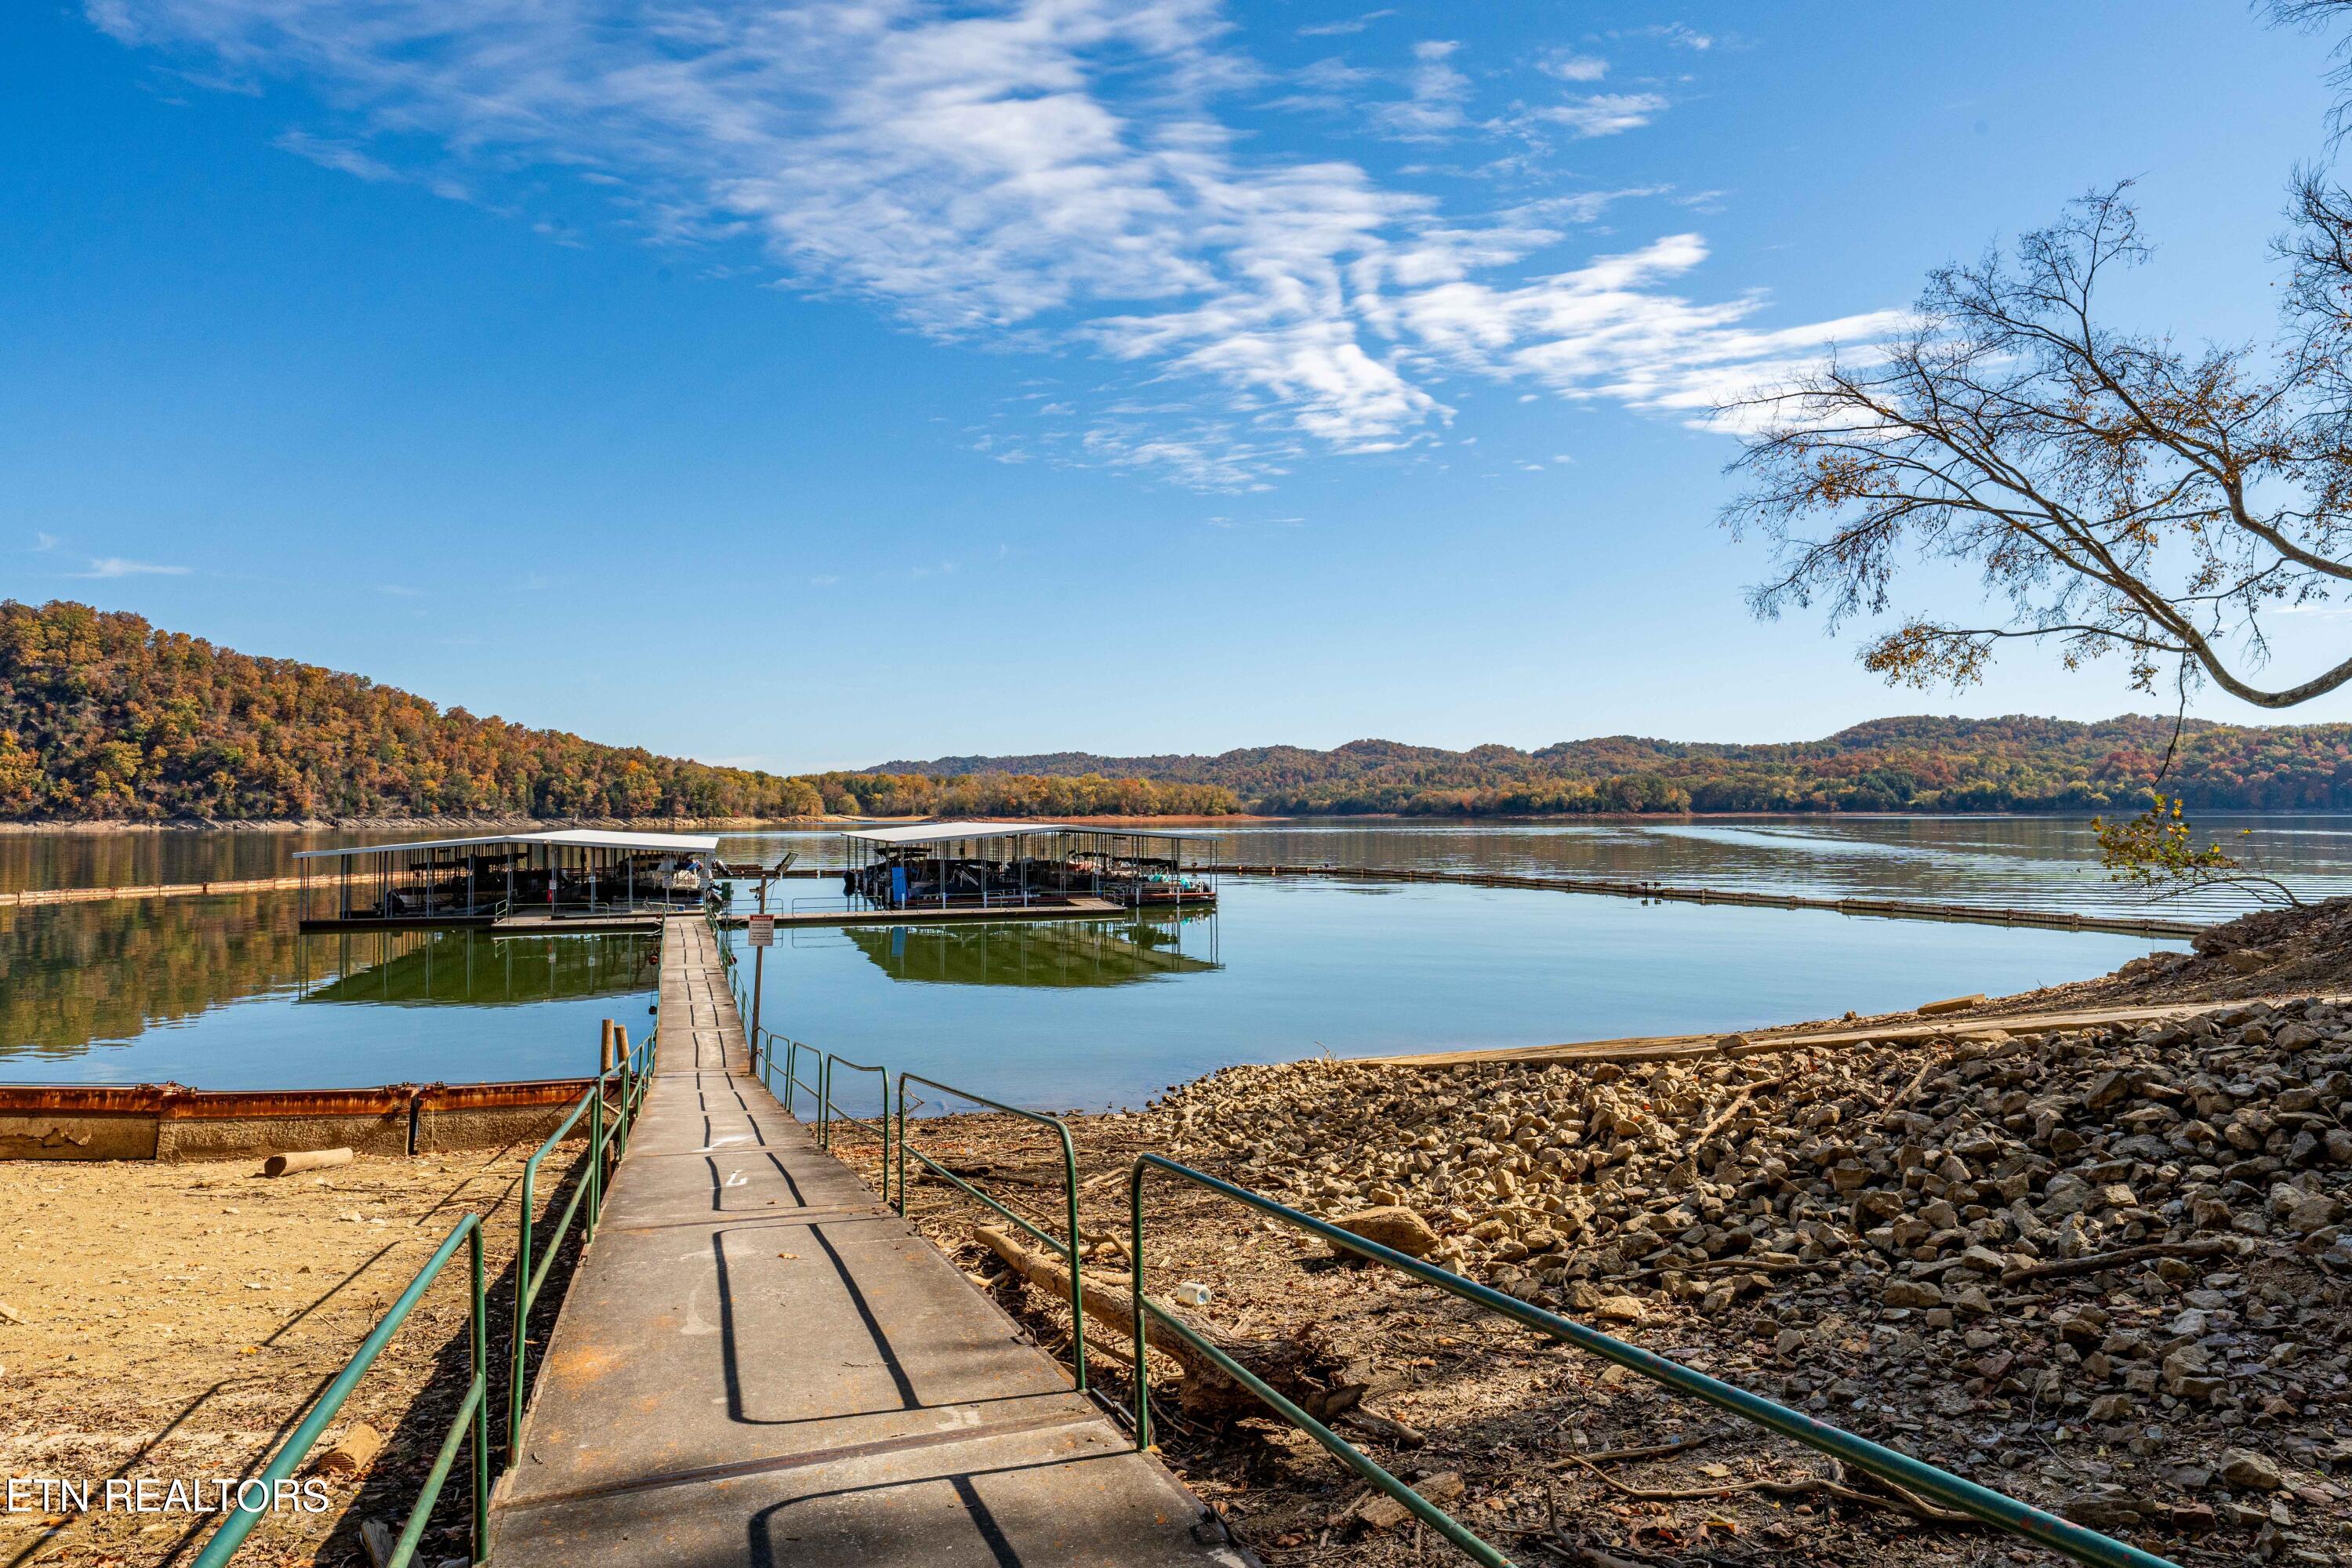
(1918, 764)
(102, 717)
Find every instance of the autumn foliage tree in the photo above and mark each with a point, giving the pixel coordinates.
(105, 718)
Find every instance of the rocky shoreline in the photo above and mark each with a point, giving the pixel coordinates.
(2105, 1269)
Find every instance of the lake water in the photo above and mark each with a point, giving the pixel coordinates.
(1099, 1014)
(2011, 862)
(222, 992)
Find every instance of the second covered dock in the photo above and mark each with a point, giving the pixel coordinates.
(942, 866)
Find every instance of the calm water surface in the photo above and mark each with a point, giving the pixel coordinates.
(222, 992)
(2012, 862)
(1110, 1013)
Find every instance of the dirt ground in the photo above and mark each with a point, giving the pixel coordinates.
(173, 1322)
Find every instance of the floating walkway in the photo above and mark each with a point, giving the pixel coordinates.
(1884, 909)
(26, 897)
(756, 1362)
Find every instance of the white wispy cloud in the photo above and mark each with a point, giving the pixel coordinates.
(1679, 35)
(1604, 114)
(1569, 66)
(117, 566)
(1438, 93)
(1039, 174)
(339, 155)
(1344, 24)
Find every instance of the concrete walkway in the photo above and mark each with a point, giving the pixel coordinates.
(759, 1363)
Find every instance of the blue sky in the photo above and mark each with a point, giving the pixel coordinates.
(816, 383)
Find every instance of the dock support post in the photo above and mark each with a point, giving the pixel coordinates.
(759, 988)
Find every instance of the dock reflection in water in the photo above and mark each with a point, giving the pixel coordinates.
(221, 993)
(1063, 954)
(472, 969)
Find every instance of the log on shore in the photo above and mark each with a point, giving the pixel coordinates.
(1297, 1370)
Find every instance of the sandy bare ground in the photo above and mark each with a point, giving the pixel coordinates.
(172, 1322)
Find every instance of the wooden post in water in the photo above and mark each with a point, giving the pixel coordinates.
(604, 1052)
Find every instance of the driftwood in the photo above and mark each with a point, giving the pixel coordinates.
(1902, 1097)
(1717, 1264)
(1834, 1485)
(1388, 1426)
(307, 1159)
(1295, 1370)
(1649, 1451)
(2066, 1267)
(1738, 1103)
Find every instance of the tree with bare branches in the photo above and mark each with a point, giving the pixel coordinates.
(2119, 493)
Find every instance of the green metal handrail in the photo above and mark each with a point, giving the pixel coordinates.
(634, 1071)
(763, 1062)
(1982, 1503)
(1068, 1249)
(822, 1089)
(833, 1114)
(473, 1416)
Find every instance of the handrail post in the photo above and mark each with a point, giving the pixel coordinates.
(471, 1419)
(628, 1075)
(628, 1097)
(481, 1363)
(1077, 1301)
(1135, 1293)
(521, 1312)
(879, 1126)
(1071, 1247)
(596, 1161)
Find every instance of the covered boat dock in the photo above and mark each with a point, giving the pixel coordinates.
(1011, 865)
(568, 877)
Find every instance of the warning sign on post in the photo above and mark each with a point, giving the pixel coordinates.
(762, 929)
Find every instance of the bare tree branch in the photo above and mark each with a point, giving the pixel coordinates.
(2115, 491)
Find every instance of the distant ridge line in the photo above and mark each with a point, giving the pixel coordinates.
(1905, 763)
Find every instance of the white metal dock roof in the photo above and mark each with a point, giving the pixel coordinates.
(942, 832)
(576, 837)
(936, 832)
